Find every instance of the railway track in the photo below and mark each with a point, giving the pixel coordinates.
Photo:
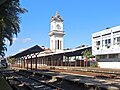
(54, 80)
(29, 80)
(98, 73)
(22, 81)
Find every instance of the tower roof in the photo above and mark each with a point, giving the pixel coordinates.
(57, 17)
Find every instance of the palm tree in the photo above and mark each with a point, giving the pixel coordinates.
(9, 22)
(87, 54)
(2, 2)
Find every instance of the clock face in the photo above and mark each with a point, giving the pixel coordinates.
(58, 26)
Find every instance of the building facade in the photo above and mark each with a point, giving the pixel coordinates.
(56, 33)
(106, 47)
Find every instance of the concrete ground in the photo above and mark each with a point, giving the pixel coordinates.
(3, 84)
(88, 80)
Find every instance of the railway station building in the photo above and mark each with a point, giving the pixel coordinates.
(106, 47)
(36, 56)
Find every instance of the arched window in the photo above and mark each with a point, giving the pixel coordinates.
(58, 44)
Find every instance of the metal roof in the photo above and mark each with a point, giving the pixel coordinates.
(36, 49)
(72, 52)
(32, 50)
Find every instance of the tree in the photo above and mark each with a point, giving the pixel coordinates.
(9, 22)
(87, 54)
(2, 1)
(11, 60)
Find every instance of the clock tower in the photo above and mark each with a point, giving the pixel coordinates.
(56, 33)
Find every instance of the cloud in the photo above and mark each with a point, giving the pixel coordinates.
(25, 40)
(21, 50)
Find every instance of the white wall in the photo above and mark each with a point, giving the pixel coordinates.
(57, 34)
(115, 65)
(53, 38)
(105, 35)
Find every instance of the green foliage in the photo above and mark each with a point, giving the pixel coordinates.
(94, 64)
(87, 54)
(9, 22)
(2, 1)
(11, 60)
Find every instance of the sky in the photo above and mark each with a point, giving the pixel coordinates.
(81, 19)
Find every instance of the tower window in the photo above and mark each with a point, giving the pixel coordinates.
(58, 44)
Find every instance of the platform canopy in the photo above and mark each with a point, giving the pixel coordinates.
(77, 51)
(68, 53)
(32, 50)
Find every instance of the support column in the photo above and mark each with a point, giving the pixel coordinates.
(21, 61)
(27, 62)
(75, 61)
(24, 61)
(44, 61)
(51, 60)
(47, 61)
(36, 62)
(40, 61)
(65, 61)
(61, 58)
(31, 63)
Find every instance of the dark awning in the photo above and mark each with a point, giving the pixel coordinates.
(32, 50)
(77, 52)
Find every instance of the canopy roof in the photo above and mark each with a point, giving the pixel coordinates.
(69, 53)
(37, 49)
(32, 50)
(76, 51)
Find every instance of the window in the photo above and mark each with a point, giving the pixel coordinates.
(113, 56)
(105, 41)
(58, 44)
(103, 56)
(118, 39)
(97, 43)
(109, 41)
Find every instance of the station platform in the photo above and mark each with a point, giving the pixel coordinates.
(87, 80)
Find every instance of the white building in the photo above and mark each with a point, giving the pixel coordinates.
(56, 33)
(106, 47)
